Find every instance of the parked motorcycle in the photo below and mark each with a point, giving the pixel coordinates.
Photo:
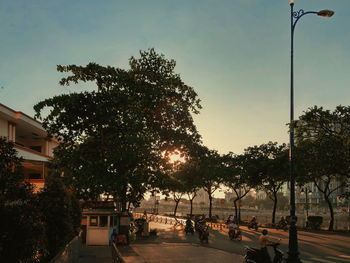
(253, 254)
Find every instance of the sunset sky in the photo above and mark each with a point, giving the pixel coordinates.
(235, 53)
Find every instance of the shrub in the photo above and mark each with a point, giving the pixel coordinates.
(20, 227)
(55, 204)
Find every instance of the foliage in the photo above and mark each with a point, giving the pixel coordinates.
(114, 137)
(234, 178)
(57, 212)
(75, 213)
(323, 152)
(20, 228)
(191, 178)
(210, 167)
(265, 167)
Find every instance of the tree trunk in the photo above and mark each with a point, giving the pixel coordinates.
(191, 207)
(176, 205)
(239, 214)
(123, 199)
(331, 222)
(236, 209)
(210, 203)
(274, 207)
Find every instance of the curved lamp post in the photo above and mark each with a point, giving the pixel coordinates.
(293, 253)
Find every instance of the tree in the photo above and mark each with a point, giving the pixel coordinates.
(20, 225)
(191, 179)
(266, 168)
(323, 152)
(210, 165)
(174, 187)
(235, 180)
(114, 137)
(57, 215)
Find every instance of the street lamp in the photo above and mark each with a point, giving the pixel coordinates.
(293, 253)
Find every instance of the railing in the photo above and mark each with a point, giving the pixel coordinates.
(116, 256)
(175, 221)
(70, 253)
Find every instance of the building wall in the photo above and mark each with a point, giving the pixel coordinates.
(3, 128)
(31, 143)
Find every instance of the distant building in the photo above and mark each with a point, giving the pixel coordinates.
(261, 195)
(229, 196)
(315, 197)
(31, 143)
(202, 197)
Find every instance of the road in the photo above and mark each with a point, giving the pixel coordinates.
(319, 247)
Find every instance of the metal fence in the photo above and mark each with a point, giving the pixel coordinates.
(263, 220)
(116, 256)
(70, 253)
(175, 221)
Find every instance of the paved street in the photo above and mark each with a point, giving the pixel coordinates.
(173, 246)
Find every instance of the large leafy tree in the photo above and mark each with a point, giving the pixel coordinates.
(235, 178)
(210, 167)
(323, 151)
(266, 169)
(20, 224)
(113, 138)
(191, 178)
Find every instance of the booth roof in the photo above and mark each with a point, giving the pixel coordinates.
(100, 212)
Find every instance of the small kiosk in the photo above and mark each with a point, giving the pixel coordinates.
(99, 226)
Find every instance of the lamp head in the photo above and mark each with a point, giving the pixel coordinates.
(325, 13)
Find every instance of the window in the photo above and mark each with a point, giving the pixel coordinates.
(103, 221)
(93, 221)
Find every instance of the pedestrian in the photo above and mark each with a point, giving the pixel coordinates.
(114, 236)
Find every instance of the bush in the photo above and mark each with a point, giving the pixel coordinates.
(20, 227)
(314, 222)
(55, 204)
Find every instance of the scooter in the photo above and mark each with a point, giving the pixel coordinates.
(234, 233)
(253, 226)
(204, 234)
(253, 255)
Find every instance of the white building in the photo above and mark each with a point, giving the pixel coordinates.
(31, 143)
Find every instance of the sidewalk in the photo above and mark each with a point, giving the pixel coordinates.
(95, 254)
(173, 246)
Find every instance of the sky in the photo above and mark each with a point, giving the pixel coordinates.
(234, 53)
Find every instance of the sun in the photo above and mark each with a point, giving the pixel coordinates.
(176, 157)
